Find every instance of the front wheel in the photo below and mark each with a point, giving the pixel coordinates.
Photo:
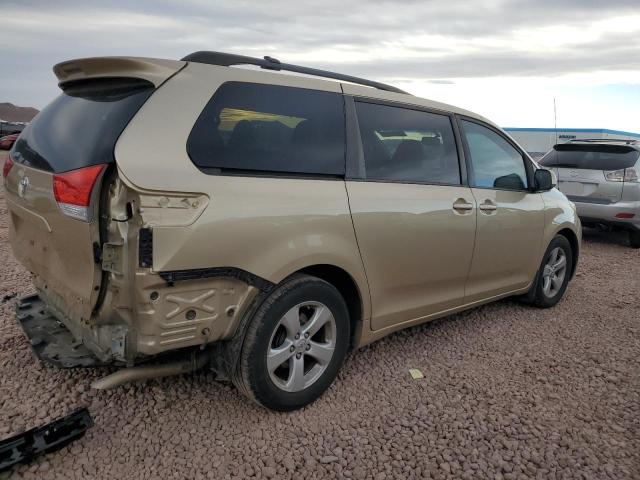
(554, 274)
(294, 345)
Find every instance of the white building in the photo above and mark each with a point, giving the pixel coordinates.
(538, 141)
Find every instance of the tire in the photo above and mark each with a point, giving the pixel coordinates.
(634, 239)
(309, 364)
(546, 295)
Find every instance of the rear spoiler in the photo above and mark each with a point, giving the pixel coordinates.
(154, 70)
(592, 147)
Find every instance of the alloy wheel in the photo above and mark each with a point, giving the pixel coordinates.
(301, 346)
(554, 272)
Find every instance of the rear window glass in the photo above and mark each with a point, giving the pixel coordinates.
(270, 128)
(80, 127)
(590, 157)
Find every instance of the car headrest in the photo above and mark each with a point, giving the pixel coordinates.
(409, 151)
(243, 134)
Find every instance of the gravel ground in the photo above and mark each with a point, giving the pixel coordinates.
(509, 392)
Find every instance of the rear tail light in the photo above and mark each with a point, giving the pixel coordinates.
(630, 175)
(623, 175)
(625, 215)
(73, 190)
(8, 163)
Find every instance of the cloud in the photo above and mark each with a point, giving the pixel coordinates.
(407, 41)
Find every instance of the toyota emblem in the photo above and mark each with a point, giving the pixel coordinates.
(23, 185)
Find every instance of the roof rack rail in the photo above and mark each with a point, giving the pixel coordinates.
(270, 63)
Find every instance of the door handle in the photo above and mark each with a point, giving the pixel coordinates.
(461, 205)
(488, 206)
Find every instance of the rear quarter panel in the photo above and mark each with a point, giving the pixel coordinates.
(560, 214)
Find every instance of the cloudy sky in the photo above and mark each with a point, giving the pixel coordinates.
(505, 59)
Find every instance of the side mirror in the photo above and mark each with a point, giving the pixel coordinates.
(543, 180)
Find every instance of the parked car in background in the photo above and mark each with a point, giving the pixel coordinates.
(7, 141)
(283, 220)
(601, 177)
(9, 128)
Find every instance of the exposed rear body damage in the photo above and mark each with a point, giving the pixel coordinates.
(131, 312)
(161, 314)
(87, 269)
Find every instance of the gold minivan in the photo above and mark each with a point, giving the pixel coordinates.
(186, 214)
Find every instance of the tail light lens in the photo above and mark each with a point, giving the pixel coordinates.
(630, 175)
(73, 190)
(8, 163)
(624, 175)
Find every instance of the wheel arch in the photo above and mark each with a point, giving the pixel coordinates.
(348, 288)
(572, 238)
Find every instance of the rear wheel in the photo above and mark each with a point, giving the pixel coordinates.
(294, 345)
(634, 239)
(554, 274)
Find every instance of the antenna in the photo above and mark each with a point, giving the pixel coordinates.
(555, 119)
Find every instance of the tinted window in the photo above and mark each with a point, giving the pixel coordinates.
(495, 163)
(591, 157)
(80, 127)
(407, 145)
(247, 126)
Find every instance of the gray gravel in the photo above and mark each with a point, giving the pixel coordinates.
(509, 392)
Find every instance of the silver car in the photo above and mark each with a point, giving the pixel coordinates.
(601, 178)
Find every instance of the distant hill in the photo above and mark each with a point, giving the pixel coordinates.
(12, 113)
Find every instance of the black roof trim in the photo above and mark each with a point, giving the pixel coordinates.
(270, 63)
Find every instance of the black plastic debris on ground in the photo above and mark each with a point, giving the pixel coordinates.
(24, 447)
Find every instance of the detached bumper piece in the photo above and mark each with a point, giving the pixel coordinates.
(51, 341)
(26, 446)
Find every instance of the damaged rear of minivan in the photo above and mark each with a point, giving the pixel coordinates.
(73, 223)
(85, 232)
(63, 166)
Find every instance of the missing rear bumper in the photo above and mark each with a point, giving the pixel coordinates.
(50, 340)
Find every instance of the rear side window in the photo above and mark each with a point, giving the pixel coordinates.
(590, 157)
(80, 127)
(405, 145)
(270, 128)
(495, 163)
